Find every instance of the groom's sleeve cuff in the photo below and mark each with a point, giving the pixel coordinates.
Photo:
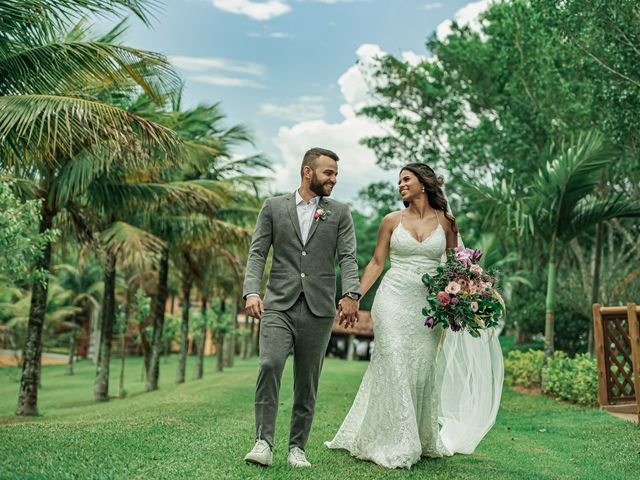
(251, 295)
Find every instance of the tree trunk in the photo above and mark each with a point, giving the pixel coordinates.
(595, 285)
(220, 351)
(550, 302)
(231, 340)
(28, 396)
(94, 336)
(202, 341)
(220, 337)
(72, 352)
(184, 329)
(158, 322)
(123, 342)
(101, 391)
(248, 339)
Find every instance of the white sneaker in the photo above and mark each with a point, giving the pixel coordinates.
(260, 455)
(297, 458)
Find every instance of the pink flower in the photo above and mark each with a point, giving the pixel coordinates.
(474, 306)
(319, 213)
(462, 255)
(444, 298)
(452, 288)
(476, 269)
(316, 215)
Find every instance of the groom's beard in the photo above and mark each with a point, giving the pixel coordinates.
(319, 188)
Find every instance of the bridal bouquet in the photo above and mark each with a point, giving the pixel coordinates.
(461, 295)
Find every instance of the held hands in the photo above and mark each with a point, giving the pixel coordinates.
(348, 312)
(254, 307)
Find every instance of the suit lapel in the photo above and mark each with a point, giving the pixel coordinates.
(314, 223)
(293, 214)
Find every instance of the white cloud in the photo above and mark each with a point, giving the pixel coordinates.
(432, 6)
(303, 109)
(466, 16)
(357, 166)
(270, 35)
(256, 10)
(200, 64)
(214, 70)
(223, 81)
(332, 2)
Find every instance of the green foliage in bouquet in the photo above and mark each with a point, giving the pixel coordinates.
(461, 295)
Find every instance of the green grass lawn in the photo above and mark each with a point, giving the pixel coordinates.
(202, 429)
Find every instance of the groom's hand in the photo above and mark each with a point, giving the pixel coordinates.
(348, 312)
(254, 306)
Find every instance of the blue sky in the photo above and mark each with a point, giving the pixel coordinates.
(287, 68)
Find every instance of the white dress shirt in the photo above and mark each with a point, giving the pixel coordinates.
(305, 214)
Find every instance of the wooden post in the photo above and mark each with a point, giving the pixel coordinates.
(350, 347)
(603, 397)
(634, 334)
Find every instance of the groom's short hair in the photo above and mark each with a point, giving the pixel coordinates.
(313, 154)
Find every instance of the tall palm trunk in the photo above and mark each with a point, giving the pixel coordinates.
(231, 340)
(28, 396)
(72, 351)
(184, 328)
(123, 342)
(201, 341)
(220, 337)
(158, 322)
(595, 286)
(550, 301)
(101, 391)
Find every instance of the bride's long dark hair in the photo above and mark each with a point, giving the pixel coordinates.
(432, 187)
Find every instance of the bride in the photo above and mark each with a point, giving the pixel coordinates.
(424, 393)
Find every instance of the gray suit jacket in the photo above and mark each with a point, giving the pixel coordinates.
(302, 267)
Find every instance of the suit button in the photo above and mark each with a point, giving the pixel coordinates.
(304, 254)
(302, 275)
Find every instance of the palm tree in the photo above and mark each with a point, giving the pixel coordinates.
(51, 113)
(84, 280)
(561, 204)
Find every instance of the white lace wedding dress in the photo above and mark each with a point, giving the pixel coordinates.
(398, 414)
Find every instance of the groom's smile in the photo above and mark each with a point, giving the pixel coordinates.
(324, 176)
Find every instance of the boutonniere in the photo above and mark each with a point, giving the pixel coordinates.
(321, 214)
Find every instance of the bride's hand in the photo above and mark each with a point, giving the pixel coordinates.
(348, 311)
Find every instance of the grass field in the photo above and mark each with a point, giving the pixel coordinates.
(203, 428)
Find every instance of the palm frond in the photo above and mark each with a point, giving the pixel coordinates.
(42, 128)
(592, 210)
(130, 244)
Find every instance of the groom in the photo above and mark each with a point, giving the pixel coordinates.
(306, 231)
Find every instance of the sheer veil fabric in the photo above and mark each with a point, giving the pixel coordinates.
(470, 374)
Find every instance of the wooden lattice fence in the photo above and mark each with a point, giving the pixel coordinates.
(617, 341)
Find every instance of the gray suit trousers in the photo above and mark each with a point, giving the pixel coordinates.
(308, 335)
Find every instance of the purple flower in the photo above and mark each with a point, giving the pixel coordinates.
(430, 322)
(454, 326)
(455, 300)
(476, 255)
(485, 293)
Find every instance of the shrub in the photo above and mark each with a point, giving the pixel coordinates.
(524, 368)
(574, 379)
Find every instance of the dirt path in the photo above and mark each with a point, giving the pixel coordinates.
(8, 359)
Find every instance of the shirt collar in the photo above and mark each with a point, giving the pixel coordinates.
(299, 199)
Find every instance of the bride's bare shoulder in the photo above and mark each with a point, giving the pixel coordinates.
(391, 220)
